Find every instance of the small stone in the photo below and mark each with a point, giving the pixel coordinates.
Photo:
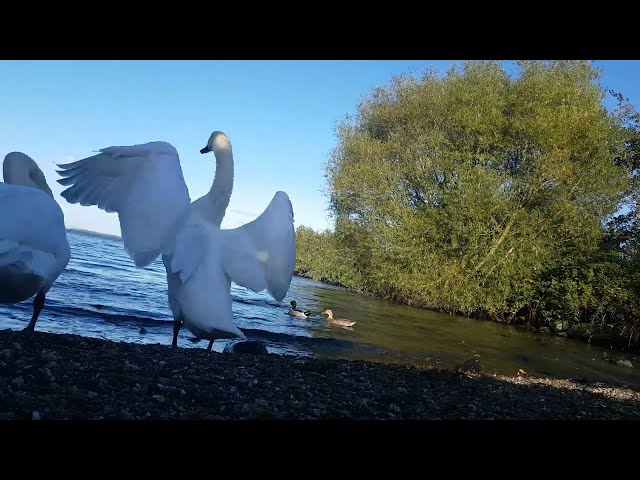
(471, 365)
(159, 398)
(92, 394)
(16, 346)
(44, 374)
(402, 390)
(124, 415)
(18, 381)
(624, 363)
(35, 415)
(162, 363)
(6, 353)
(394, 408)
(182, 392)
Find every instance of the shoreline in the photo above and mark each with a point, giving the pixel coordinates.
(577, 332)
(63, 376)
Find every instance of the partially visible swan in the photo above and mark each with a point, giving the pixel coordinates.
(34, 249)
(294, 312)
(144, 185)
(337, 321)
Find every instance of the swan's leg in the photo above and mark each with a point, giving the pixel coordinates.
(210, 345)
(38, 304)
(177, 325)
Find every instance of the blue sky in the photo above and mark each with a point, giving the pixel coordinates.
(279, 115)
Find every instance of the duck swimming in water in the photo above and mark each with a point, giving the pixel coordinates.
(294, 312)
(337, 321)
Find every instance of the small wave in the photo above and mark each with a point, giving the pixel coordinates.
(256, 302)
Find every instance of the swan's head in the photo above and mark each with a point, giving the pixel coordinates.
(21, 169)
(293, 304)
(328, 312)
(218, 142)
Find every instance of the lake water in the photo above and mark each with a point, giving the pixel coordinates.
(101, 294)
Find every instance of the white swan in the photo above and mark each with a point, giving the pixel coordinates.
(34, 249)
(144, 184)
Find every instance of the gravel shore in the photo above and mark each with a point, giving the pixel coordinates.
(51, 377)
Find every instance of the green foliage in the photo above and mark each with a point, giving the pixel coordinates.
(483, 193)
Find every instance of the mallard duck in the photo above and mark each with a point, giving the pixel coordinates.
(337, 321)
(294, 312)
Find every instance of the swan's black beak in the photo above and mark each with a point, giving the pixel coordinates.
(205, 149)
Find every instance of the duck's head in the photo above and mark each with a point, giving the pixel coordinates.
(293, 304)
(218, 142)
(328, 312)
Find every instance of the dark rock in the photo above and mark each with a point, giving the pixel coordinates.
(624, 363)
(471, 365)
(250, 346)
(124, 415)
(45, 376)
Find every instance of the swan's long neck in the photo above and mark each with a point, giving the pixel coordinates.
(216, 201)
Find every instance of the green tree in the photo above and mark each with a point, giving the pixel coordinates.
(487, 193)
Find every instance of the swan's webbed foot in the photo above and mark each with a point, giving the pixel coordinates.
(210, 345)
(177, 325)
(38, 305)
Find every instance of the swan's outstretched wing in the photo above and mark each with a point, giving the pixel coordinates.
(143, 183)
(261, 254)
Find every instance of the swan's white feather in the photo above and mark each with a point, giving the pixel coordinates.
(198, 285)
(143, 184)
(192, 244)
(33, 240)
(261, 254)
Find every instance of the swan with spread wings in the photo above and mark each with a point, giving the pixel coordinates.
(145, 186)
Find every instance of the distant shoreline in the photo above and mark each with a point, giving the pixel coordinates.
(94, 234)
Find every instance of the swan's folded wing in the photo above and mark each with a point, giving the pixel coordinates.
(31, 218)
(190, 249)
(143, 183)
(261, 254)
